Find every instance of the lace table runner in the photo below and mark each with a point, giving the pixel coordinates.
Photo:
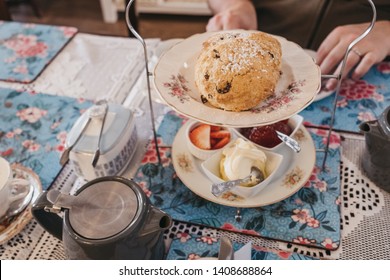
(26, 49)
(92, 67)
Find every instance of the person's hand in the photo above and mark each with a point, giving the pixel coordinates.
(239, 15)
(370, 50)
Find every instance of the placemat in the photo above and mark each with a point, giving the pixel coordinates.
(309, 217)
(26, 49)
(33, 129)
(186, 246)
(358, 101)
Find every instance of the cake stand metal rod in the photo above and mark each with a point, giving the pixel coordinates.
(339, 78)
(135, 33)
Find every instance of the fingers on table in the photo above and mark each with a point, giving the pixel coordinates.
(358, 63)
(366, 62)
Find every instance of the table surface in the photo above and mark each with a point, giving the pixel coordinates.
(365, 224)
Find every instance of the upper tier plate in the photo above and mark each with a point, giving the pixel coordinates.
(297, 87)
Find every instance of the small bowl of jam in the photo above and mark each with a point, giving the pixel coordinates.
(266, 136)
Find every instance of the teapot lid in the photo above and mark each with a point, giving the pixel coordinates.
(103, 207)
(118, 119)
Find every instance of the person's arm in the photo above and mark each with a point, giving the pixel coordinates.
(232, 14)
(374, 48)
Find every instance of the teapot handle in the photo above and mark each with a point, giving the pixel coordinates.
(50, 221)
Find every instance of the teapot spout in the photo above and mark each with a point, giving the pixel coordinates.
(379, 127)
(370, 127)
(364, 127)
(157, 221)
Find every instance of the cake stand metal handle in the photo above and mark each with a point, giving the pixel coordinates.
(339, 78)
(136, 35)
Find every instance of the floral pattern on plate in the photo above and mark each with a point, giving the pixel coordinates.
(178, 87)
(26, 49)
(34, 127)
(311, 215)
(281, 99)
(358, 101)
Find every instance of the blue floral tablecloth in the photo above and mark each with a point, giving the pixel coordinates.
(185, 246)
(358, 101)
(33, 129)
(310, 217)
(26, 49)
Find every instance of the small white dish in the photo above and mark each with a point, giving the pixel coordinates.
(212, 171)
(294, 123)
(197, 152)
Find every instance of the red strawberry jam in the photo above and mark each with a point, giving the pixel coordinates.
(266, 135)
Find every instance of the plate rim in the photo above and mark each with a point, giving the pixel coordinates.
(322, 93)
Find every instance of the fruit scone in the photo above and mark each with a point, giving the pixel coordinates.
(235, 71)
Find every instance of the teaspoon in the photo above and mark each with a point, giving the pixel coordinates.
(290, 142)
(256, 176)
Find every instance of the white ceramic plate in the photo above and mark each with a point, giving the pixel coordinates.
(21, 220)
(296, 89)
(163, 46)
(293, 173)
(323, 94)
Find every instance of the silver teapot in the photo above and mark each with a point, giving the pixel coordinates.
(376, 157)
(108, 218)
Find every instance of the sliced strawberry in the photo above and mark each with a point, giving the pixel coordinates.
(213, 141)
(220, 134)
(221, 143)
(200, 136)
(215, 128)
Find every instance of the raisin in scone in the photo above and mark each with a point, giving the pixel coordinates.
(235, 71)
